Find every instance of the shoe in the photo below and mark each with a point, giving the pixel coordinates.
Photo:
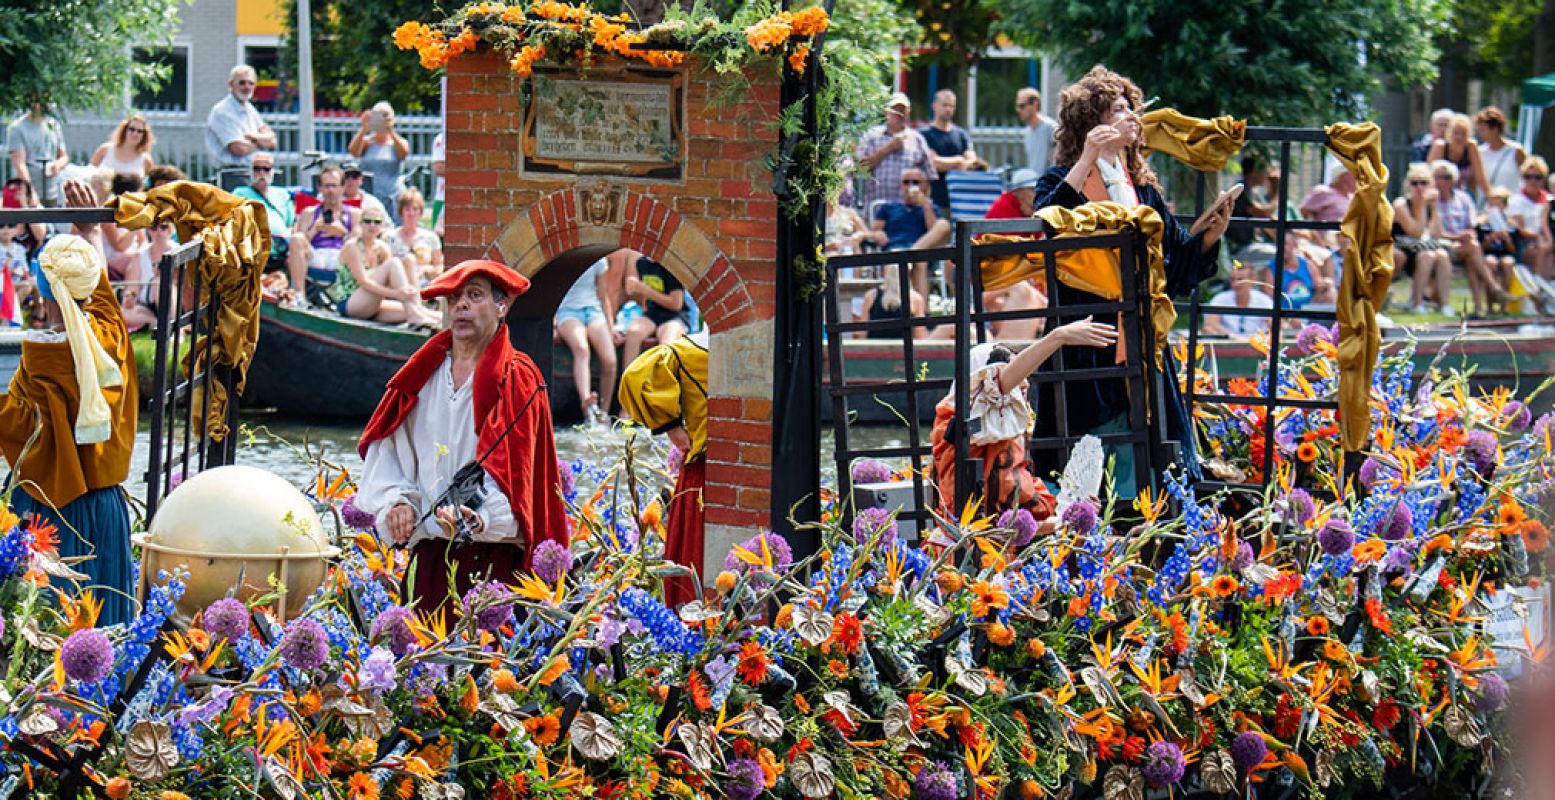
(1420, 310)
(1448, 312)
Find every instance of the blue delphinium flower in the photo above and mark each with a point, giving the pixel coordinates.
(668, 632)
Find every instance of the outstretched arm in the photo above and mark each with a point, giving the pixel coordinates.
(1080, 332)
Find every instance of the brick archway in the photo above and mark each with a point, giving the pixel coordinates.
(714, 228)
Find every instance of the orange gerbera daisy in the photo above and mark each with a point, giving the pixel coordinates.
(988, 597)
(544, 730)
(753, 663)
(1317, 625)
(1536, 537)
(1306, 452)
(1225, 586)
(362, 787)
(846, 632)
(1370, 550)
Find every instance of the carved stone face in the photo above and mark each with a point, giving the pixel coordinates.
(598, 207)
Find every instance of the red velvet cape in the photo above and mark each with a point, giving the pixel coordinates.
(524, 465)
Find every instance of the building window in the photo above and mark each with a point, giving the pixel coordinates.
(173, 94)
(271, 94)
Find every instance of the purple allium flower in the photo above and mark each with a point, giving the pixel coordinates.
(1516, 416)
(305, 645)
(1164, 765)
(1479, 452)
(782, 554)
(1400, 524)
(1492, 693)
(393, 624)
(1310, 336)
(1336, 538)
(1299, 507)
(87, 656)
(1022, 523)
(1081, 517)
(564, 473)
(2, 626)
(355, 518)
(377, 672)
(552, 560)
(1248, 749)
(868, 470)
(1398, 559)
(227, 618)
(1541, 426)
(480, 599)
(675, 460)
(1371, 470)
(1244, 557)
(935, 782)
(746, 780)
(875, 523)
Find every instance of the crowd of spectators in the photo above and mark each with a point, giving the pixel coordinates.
(332, 245)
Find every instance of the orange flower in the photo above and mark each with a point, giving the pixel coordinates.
(363, 787)
(1441, 541)
(949, 581)
(809, 21)
(701, 696)
(725, 582)
(769, 33)
(556, 670)
(411, 35)
(1035, 648)
(1379, 618)
(753, 663)
(544, 730)
(1001, 635)
(1307, 452)
(503, 680)
(846, 632)
(1334, 650)
(118, 788)
(523, 62)
(1317, 625)
(1370, 550)
(798, 58)
(1536, 537)
(838, 669)
(1225, 586)
(988, 597)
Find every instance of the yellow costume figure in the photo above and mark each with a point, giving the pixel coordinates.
(75, 392)
(665, 389)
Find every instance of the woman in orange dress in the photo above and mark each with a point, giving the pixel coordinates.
(1001, 417)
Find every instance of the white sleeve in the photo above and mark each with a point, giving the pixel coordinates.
(496, 512)
(384, 481)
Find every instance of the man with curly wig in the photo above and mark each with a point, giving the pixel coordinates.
(1100, 158)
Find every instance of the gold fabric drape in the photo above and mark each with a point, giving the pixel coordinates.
(235, 235)
(1205, 144)
(1368, 269)
(1097, 271)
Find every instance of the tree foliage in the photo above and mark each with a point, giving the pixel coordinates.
(75, 53)
(354, 62)
(1497, 38)
(1285, 62)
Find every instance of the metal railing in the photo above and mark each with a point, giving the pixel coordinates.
(1271, 400)
(1136, 373)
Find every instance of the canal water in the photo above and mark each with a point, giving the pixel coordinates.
(294, 448)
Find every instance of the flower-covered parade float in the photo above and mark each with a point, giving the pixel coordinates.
(1319, 640)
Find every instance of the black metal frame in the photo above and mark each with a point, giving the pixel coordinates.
(1146, 430)
(171, 396)
(1271, 401)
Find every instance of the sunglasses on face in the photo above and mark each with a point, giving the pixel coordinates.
(1533, 176)
(1420, 183)
(136, 130)
(372, 222)
(911, 183)
(258, 168)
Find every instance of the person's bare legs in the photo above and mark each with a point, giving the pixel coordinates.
(670, 331)
(918, 276)
(1425, 273)
(605, 350)
(298, 251)
(937, 236)
(576, 337)
(640, 329)
(403, 275)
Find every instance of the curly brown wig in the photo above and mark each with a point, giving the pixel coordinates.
(1084, 105)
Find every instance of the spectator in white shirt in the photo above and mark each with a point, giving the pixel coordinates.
(1242, 294)
(234, 130)
(1529, 213)
(1039, 129)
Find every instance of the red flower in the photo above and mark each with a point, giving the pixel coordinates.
(846, 632)
(1287, 719)
(1386, 715)
(1133, 748)
(1379, 618)
(753, 663)
(700, 696)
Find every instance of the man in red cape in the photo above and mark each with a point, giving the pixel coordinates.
(449, 405)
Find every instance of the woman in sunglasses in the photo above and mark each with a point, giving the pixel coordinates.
(373, 284)
(1528, 212)
(129, 151)
(1417, 234)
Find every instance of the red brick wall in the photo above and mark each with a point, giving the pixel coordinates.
(714, 230)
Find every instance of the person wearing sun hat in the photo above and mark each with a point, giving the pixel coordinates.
(1016, 201)
(67, 423)
(887, 150)
(465, 395)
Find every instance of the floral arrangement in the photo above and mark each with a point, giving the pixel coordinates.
(1306, 642)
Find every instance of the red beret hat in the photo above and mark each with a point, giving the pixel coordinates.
(501, 276)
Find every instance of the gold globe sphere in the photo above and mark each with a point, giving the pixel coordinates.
(238, 525)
